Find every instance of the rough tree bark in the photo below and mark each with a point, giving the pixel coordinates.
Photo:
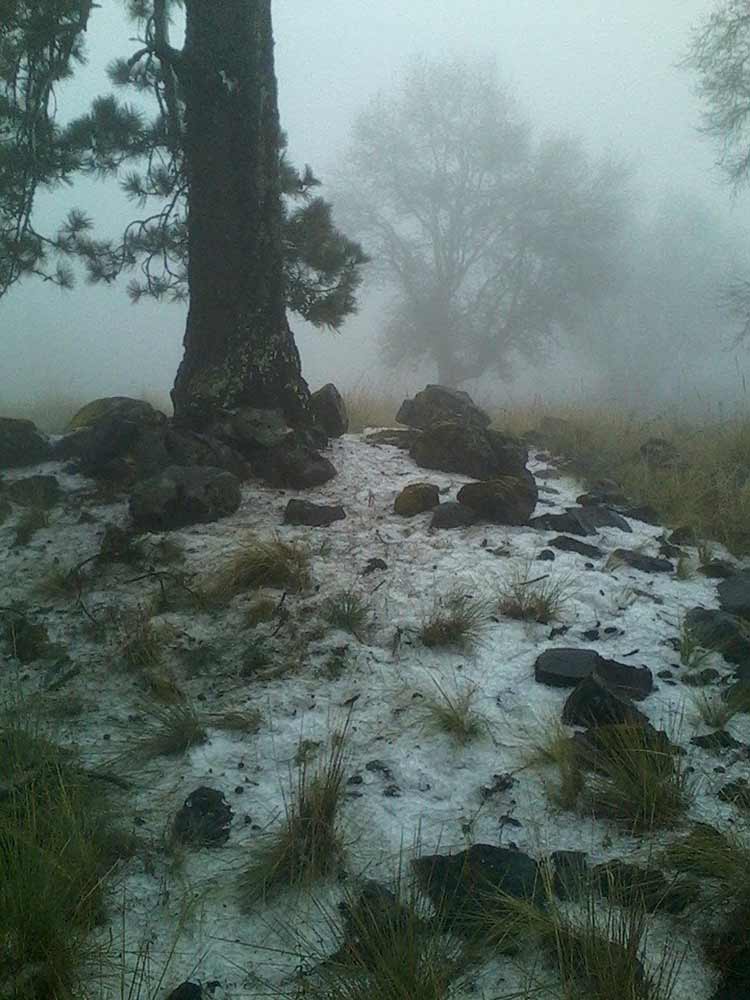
(239, 350)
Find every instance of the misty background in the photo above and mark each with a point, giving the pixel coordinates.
(606, 70)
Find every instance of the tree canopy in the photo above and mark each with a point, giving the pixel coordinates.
(490, 239)
(144, 153)
(40, 44)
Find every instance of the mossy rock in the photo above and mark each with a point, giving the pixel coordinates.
(34, 491)
(416, 499)
(21, 443)
(137, 411)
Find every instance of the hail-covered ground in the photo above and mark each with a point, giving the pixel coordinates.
(409, 787)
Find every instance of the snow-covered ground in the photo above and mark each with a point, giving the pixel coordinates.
(186, 909)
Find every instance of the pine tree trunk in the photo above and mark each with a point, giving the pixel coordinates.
(239, 350)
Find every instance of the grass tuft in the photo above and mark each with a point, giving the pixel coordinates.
(453, 713)
(635, 779)
(171, 730)
(262, 563)
(553, 746)
(308, 844)
(349, 611)
(393, 948)
(458, 619)
(143, 642)
(596, 948)
(526, 596)
(57, 845)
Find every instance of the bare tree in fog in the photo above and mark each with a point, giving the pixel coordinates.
(720, 53)
(491, 240)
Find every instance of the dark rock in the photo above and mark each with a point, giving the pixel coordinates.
(374, 914)
(6, 509)
(511, 453)
(571, 874)
(453, 515)
(670, 551)
(665, 675)
(96, 446)
(297, 468)
(734, 594)
(647, 564)
(737, 793)
(435, 404)
(329, 410)
(373, 565)
(500, 783)
(204, 819)
(416, 498)
(567, 522)
(717, 569)
(721, 631)
(34, 491)
(510, 500)
(118, 408)
(379, 767)
(592, 703)
(118, 545)
(645, 888)
(597, 516)
(683, 536)
(565, 544)
(149, 453)
(735, 987)
(186, 447)
(21, 444)
(546, 555)
(658, 453)
(701, 678)
(182, 496)
(312, 437)
(602, 495)
(599, 741)
(717, 741)
(460, 886)
(466, 449)
(624, 678)
(252, 430)
(567, 667)
(312, 514)
(396, 437)
(642, 512)
(187, 991)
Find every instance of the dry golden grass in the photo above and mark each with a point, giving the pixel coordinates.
(369, 407)
(260, 563)
(708, 488)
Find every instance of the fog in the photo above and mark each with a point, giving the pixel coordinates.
(605, 70)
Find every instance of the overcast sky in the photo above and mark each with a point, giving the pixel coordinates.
(605, 69)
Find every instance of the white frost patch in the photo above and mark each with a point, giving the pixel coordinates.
(192, 909)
